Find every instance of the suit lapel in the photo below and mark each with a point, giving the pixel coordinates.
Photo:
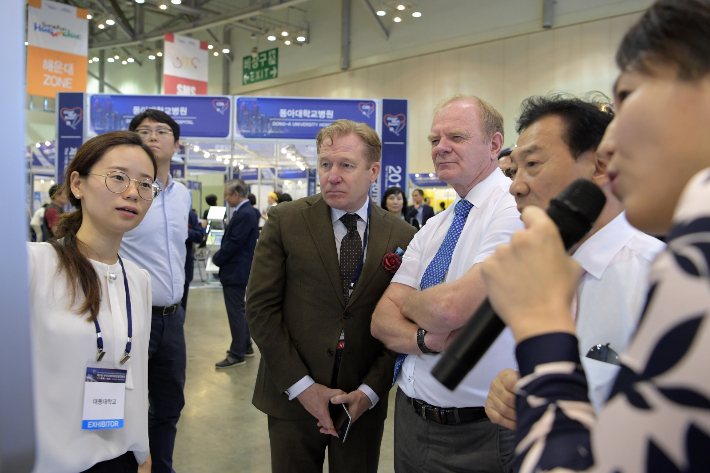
(379, 235)
(320, 225)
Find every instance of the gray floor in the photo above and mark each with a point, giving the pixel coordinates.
(220, 431)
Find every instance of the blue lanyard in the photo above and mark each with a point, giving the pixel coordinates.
(100, 341)
(362, 255)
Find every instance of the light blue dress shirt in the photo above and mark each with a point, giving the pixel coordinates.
(158, 243)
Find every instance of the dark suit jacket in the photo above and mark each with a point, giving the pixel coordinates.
(296, 309)
(237, 251)
(195, 234)
(426, 214)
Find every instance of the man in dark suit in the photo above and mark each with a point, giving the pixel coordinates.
(310, 313)
(420, 211)
(195, 234)
(234, 260)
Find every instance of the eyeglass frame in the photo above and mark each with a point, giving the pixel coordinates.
(156, 190)
(150, 132)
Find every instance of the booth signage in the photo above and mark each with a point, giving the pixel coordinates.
(394, 143)
(177, 170)
(292, 118)
(262, 67)
(252, 174)
(312, 180)
(427, 180)
(185, 66)
(70, 130)
(198, 117)
(57, 44)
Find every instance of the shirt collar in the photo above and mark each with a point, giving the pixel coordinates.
(335, 214)
(240, 204)
(482, 191)
(169, 183)
(596, 253)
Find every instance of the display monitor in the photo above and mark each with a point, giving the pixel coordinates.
(216, 213)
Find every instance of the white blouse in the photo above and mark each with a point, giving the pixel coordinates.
(63, 342)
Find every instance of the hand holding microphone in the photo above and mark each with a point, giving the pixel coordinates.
(544, 280)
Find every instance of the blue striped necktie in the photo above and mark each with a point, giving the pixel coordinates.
(438, 267)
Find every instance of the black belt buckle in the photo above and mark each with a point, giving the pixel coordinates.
(170, 310)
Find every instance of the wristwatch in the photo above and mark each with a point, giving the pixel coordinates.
(420, 343)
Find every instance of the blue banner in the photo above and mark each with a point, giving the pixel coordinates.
(394, 143)
(252, 174)
(298, 119)
(427, 180)
(198, 116)
(70, 129)
(177, 170)
(312, 180)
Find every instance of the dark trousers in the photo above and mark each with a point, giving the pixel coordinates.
(424, 446)
(166, 381)
(126, 463)
(185, 290)
(235, 303)
(297, 446)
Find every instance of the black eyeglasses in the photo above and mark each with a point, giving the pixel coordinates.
(161, 132)
(604, 354)
(118, 182)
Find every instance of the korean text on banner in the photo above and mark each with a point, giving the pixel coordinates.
(57, 38)
(185, 65)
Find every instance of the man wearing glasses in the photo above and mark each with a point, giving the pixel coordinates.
(158, 245)
(558, 141)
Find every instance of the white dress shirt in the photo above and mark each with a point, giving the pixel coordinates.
(610, 296)
(158, 243)
(492, 221)
(62, 344)
(340, 230)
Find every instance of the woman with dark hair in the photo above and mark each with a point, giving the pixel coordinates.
(91, 316)
(212, 202)
(395, 202)
(657, 417)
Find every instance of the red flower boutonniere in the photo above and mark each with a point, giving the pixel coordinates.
(392, 261)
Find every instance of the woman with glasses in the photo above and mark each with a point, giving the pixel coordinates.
(91, 316)
(657, 417)
(395, 202)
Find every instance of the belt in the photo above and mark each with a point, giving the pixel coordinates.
(168, 310)
(447, 415)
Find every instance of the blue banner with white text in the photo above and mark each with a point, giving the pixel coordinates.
(394, 143)
(70, 130)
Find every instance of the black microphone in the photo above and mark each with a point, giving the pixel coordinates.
(574, 212)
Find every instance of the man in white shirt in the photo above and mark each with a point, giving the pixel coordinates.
(437, 289)
(558, 142)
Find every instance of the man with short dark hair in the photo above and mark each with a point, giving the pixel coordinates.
(318, 272)
(558, 141)
(419, 209)
(435, 292)
(234, 259)
(504, 162)
(54, 210)
(158, 246)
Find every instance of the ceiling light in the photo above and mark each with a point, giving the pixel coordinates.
(47, 143)
(397, 19)
(400, 7)
(124, 62)
(116, 56)
(110, 22)
(110, 59)
(431, 174)
(209, 46)
(38, 144)
(52, 181)
(219, 159)
(88, 16)
(287, 42)
(417, 14)
(91, 61)
(151, 57)
(26, 43)
(416, 175)
(225, 50)
(160, 54)
(216, 53)
(284, 150)
(271, 38)
(130, 59)
(196, 148)
(284, 33)
(241, 166)
(163, 7)
(41, 181)
(206, 154)
(381, 13)
(95, 59)
(176, 2)
(101, 26)
(301, 38)
(140, 1)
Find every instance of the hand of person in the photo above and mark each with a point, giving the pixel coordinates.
(416, 206)
(439, 341)
(546, 279)
(145, 467)
(315, 399)
(500, 405)
(357, 401)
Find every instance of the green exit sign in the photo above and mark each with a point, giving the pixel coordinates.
(262, 67)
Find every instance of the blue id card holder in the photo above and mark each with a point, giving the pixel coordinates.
(104, 396)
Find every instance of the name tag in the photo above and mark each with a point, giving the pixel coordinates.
(104, 397)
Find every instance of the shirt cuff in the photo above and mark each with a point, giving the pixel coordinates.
(374, 398)
(305, 383)
(546, 348)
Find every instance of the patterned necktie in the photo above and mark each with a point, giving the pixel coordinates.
(438, 267)
(350, 252)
